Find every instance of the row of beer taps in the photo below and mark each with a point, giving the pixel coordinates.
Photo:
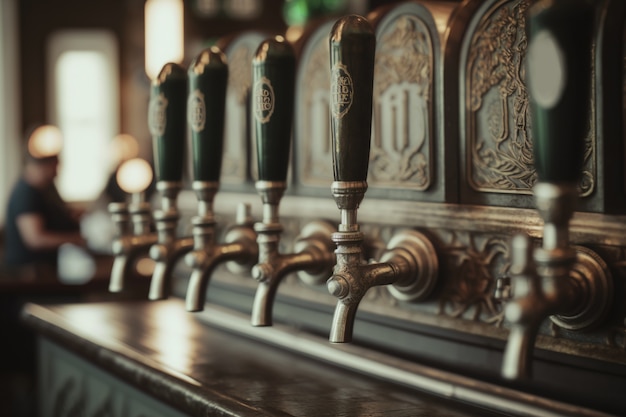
(194, 101)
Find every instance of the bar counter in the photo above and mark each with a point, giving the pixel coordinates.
(168, 354)
(185, 364)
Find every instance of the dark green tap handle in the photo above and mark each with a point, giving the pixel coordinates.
(273, 74)
(208, 76)
(352, 48)
(166, 119)
(559, 79)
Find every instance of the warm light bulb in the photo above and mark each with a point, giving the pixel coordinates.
(134, 175)
(45, 141)
(164, 26)
(124, 147)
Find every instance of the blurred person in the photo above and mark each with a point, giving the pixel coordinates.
(38, 221)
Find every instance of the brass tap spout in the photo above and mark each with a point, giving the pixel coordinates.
(127, 250)
(313, 255)
(169, 249)
(557, 280)
(240, 245)
(313, 260)
(166, 255)
(517, 362)
(127, 247)
(525, 312)
(349, 283)
(570, 285)
(409, 265)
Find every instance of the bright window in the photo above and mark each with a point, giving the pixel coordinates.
(9, 102)
(84, 104)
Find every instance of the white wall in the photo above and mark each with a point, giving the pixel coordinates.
(10, 115)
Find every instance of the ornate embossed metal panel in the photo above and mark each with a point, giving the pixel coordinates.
(238, 136)
(410, 156)
(311, 121)
(495, 119)
(402, 129)
(408, 159)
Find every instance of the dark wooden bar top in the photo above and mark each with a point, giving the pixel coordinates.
(171, 355)
(214, 363)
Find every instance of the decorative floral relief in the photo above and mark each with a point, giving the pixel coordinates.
(402, 123)
(473, 266)
(498, 125)
(236, 126)
(314, 135)
(471, 262)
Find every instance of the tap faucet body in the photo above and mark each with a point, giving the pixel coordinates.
(169, 249)
(410, 262)
(273, 92)
(572, 286)
(409, 265)
(166, 118)
(313, 255)
(208, 76)
(121, 219)
(239, 245)
(128, 247)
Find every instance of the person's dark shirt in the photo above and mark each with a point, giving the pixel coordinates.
(26, 199)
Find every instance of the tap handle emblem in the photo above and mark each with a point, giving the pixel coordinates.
(166, 120)
(352, 48)
(273, 75)
(559, 79)
(208, 77)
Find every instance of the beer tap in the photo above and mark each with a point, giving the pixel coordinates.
(570, 285)
(272, 95)
(133, 176)
(208, 76)
(167, 126)
(409, 265)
